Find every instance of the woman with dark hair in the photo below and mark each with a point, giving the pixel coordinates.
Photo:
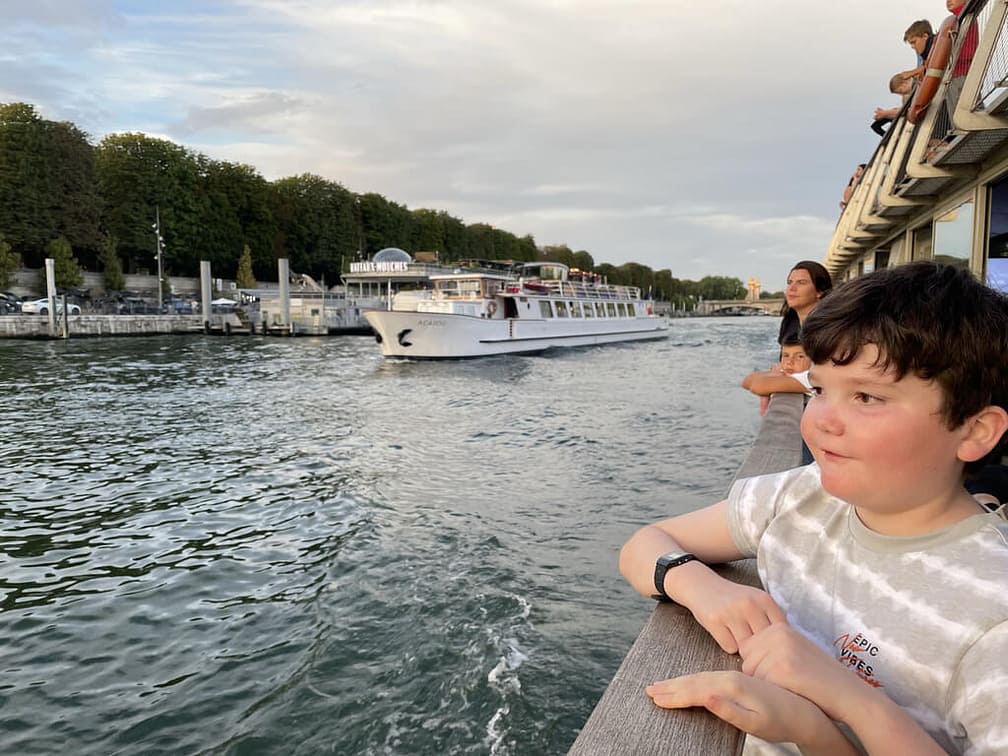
(807, 283)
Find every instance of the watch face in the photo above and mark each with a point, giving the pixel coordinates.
(666, 559)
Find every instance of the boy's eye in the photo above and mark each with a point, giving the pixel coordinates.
(864, 398)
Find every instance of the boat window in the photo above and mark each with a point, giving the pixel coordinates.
(459, 288)
(997, 240)
(621, 308)
(561, 309)
(575, 309)
(953, 236)
(589, 310)
(544, 308)
(611, 309)
(630, 311)
(921, 243)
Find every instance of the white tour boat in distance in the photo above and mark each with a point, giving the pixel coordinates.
(509, 309)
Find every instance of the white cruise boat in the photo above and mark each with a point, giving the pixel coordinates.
(510, 309)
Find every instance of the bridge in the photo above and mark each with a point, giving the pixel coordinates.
(740, 307)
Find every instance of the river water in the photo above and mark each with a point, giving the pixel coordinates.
(217, 545)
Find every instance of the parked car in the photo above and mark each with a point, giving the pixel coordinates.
(41, 307)
(177, 307)
(9, 303)
(136, 306)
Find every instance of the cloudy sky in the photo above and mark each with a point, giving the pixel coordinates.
(709, 138)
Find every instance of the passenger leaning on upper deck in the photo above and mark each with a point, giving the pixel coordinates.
(965, 58)
(902, 85)
(807, 283)
(920, 36)
(875, 556)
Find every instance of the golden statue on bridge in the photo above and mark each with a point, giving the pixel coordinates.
(754, 290)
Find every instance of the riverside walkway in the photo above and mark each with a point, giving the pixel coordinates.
(672, 643)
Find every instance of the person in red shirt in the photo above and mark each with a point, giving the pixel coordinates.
(965, 57)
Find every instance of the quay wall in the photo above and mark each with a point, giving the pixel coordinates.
(672, 643)
(78, 326)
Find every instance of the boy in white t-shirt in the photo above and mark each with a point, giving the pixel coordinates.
(886, 609)
(790, 376)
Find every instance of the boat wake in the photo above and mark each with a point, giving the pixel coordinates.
(503, 678)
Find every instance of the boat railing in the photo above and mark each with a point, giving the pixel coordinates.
(583, 290)
(972, 25)
(625, 722)
(944, 151)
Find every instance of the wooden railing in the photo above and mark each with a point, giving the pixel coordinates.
(672, 643)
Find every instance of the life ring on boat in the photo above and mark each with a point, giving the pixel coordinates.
(491, 308)
(934, 70)
(649, 309)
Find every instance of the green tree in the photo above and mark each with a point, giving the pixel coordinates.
(316, 226)
(244, 278)
(65, 266)
(385, 223)
(560, 253)
(721, 287)
(583, 261)
(112, 272)
(47, 184)
(9, 261)
(141, 178)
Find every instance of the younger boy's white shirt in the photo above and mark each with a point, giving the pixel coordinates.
(922, 617)
(803, 379)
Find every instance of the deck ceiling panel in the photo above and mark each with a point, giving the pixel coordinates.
(924, 187)
(974, 148)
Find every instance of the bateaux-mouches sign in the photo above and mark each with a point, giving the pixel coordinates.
(370, 266)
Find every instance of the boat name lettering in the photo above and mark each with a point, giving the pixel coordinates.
(369, 266)
(431, 323)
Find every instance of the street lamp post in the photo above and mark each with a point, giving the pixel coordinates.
(159, 248)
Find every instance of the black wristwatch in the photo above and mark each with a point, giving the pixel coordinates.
(665, 563)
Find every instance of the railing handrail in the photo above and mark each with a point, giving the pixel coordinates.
(672, 643)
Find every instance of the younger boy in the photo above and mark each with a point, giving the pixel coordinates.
(791, 378)
(875, 556)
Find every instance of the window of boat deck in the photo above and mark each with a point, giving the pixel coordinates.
(611, 309)
(460, 288)
(561, 309)
(544, 308)
(630, 310)
(997, 238)
(575, 309)
(953, 236)
(622, 309)
(589, 310)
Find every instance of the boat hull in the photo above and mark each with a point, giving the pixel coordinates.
(422, 335)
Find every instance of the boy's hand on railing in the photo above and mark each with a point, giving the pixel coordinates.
(785, 657)
(730, 612)
(757, 707)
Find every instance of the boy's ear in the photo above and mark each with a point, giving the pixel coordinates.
(983, 432)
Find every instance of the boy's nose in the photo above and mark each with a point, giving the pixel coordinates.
(824, 416)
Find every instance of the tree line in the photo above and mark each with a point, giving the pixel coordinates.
(94, 206)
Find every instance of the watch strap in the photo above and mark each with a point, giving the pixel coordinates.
(665, 563)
